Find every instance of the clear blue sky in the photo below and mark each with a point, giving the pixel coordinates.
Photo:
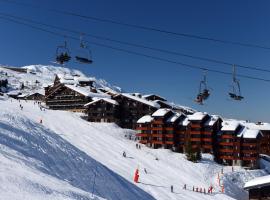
(242, 20)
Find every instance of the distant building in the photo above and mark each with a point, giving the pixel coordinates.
(259, 188)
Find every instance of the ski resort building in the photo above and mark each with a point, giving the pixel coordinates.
(71, 93)
(132, 107)
(103, 110)
(229, 141)
(259, 188)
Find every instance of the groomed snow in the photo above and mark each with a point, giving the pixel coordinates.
(105, 143)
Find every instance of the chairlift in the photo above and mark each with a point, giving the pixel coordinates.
(204, 92)
(62, 54)
(235, 94)
(84, 55)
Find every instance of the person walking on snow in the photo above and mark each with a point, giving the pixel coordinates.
(124, 154)
(171, 188)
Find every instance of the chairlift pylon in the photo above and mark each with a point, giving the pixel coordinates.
(84, 55)
(204, 92)
(235, 94)
(62, 54)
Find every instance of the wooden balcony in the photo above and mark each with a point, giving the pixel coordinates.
(169, 142)
(226, 150)
(207, 133)
(195, 139)
(226, 144)
(158, 135)
(169, 128)
(227, 136)
(142, 128)
(249, 144)
(249, 151)
(207, 146)
(180, 132)
(143, 141)
(157, 122)
(207, 139)
(142, 135)
(227, 157)
(157, 142)
(169, 135)
(250, 158)
(195, 132)
(157, 128)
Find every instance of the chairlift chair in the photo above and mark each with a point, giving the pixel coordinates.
(84, 55)
(235, 94)
(204, 92)
(62, 54)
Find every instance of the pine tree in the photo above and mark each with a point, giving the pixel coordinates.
(188, 151)
(198, 155)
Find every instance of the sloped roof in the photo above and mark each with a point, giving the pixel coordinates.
(161, 112)
(144, 101)
(184, 122)
(174, 117)
(258, 182)
(197, 116)
(230, 125)
(259, 126)
(86, 91)
(212, 120)
(96, 99)
(249, 133)
(145, 119)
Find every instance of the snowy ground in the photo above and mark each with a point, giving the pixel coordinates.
(60, 157)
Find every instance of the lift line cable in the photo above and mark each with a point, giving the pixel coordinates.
(136, 45)
(92, 18)
(135, 53)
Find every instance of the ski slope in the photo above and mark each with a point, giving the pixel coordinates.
(67, 151)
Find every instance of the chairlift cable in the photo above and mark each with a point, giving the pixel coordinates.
(136, 53)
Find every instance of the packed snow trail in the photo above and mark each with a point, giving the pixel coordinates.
(57, 158)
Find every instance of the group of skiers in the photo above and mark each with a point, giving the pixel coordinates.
(197, 189)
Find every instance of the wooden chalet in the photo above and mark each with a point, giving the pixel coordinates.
(70, 93)
(36, 96)
(103, 110)
(132, 107)
(258, 188)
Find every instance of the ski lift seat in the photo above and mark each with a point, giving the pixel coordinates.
(83, 60)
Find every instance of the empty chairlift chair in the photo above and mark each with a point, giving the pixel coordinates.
(235, 94)
(84, 55)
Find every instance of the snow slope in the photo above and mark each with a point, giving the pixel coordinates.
(68, 149)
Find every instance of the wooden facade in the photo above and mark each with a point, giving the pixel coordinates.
(259, 188)
(103, 110)
(131, 108)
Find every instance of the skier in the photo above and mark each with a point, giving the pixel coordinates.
(145, 170)
(124, 154)
(136, 146)
(171, 188)
(185, 186)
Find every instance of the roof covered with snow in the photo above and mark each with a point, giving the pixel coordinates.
(145, 119)
(212, 120)
(144, 101)
(96, 99)
(258, 182)
(174, 117)
(150, 95)
(260, 126)
(161, 112)
(86, 91)
(197, 116)
(230, 125)
(249, 133)
(184, 122)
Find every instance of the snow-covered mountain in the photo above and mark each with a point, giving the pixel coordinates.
(66, 157)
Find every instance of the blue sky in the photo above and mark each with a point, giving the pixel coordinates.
(242, 21)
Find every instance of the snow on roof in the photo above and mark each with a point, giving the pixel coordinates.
(174, 117)
(230, 125)
(175, 106)
(161, 112)
(86, 91)
(249, 133)
(258, 182)
(145, 119)
(82, 79)
(184, 122)
(259, 126)
(197, 116)
(144, 101)
(149, 95)
(96, 99)
(14, 92)
(212, 120)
